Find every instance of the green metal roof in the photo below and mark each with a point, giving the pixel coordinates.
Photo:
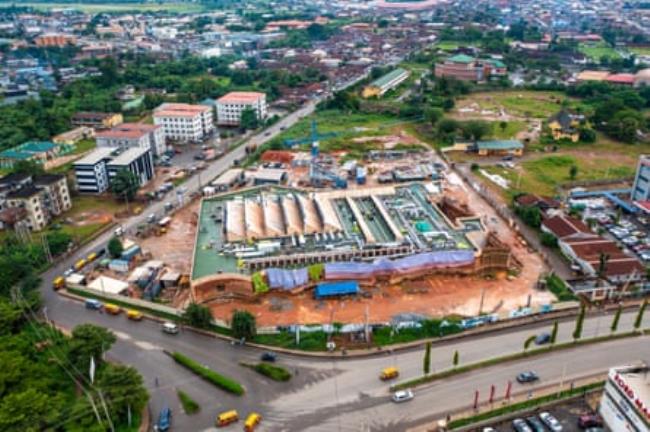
(461, 58)
(496, 63)
(382, 81)
(15, 154)
(500, 145)
(37, 146)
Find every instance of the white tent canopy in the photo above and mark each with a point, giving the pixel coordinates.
(108, 285)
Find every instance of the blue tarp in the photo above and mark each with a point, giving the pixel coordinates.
(383, 266)
(286, 279)
(336, 289)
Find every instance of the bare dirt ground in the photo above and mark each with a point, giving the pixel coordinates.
(175, 247)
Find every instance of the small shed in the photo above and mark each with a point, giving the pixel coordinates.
(109, 285)
(170, 279)
(269, 176)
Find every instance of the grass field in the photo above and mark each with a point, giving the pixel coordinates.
(512, 129)
(525, 104)
(449, 45)
(596, 51)
(180, 7)
(639, 50)
(88, 215)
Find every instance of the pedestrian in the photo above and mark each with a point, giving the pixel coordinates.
(156, 381)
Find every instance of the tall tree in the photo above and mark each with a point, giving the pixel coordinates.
(125, 185)
(198, 315)
(88, 341)
(577, 332)
(249, 120)
(554, 332)
(456, 358)
(426, 366)
(243, 325)
(529, 341)
(617, 317)
(639, 317)
(115, 247)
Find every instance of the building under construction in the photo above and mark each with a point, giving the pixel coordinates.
(384, 232)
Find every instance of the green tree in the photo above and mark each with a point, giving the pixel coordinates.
(426, 366)
(123, 389)
(88, 341)
(503, 125)
(548, 240)
(26, 410)
(639, 317)
(198, 316)
(577, 332)
(617, 317)
(456, 358)
(115, 247)
(573, 172)
(433, 115)
(603, 258)
(529, 341)
(554, 332)
(475, 129)
(125, 185)
(58, 242)
(243, 325)
(249, 120)
(30, 167)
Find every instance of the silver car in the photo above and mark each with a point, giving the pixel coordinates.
(550, 421)
(402, 396)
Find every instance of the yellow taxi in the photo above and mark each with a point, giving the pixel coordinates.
(389, 373)
(112, 309)
(252, 420)
(134, 315)
(58, 283)
(225, 418)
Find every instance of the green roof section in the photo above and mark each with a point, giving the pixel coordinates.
(37, 146)
(461, 58)
(383, 80)
(496, 63)
(15, 154)
(499, 145)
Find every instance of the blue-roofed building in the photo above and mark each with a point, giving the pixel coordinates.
(335, 289)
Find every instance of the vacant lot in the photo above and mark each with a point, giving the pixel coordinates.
(512, 104)
(88, 215)
(597, 50)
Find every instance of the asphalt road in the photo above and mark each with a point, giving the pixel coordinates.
(325, 392)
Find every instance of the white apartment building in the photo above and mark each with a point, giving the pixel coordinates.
(231, 106)
(184, 122)
(625, 405)
(130, 135)
(90, 171)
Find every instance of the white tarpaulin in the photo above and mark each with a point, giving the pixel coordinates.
(108, 285)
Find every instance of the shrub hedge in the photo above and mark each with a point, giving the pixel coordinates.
(190, 406)
(276, 373)
(225, 383)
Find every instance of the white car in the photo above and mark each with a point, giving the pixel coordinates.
(402, 396)
(170, 328)
(550, 421)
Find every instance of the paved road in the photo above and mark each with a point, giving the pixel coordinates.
(321, 387)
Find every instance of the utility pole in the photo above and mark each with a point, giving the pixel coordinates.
(480, 306)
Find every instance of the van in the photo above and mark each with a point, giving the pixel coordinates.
(93, 304)
(80, 264)
(134, 315)
(389, 373)
(170, 328)
(91, 257)
(58, 283)
(112, 309)
(227, 417)
(252, 420)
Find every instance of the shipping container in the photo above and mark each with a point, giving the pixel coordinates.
(120, 266)
(131, 252)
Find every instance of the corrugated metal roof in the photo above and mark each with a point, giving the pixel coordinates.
(336, 288)
(383, 80)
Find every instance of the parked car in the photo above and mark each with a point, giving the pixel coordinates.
(590, 421)
(93, 304)
(536, 424)
(527, 377)
(164, 420)
(402, 396)
(550, 421)
(520, 425)
(268, 356)
(543, 338)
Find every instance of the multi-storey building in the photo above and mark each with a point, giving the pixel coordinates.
(97, 120)
(641, 187)
(90, 171)
(231, 106)
(184, 122)
(137, 160)
(466, 68)
(129, 135)
(625, 405)
(40, 198)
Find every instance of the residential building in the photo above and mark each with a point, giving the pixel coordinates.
(231, 106)
(40, 198)
(466, 68)
(184, 122)
(38, 151)
(138, 160)
(75, 135)
(55, 40)
(97, 120)
(130, 135)
(500, 147)
(565, 125)
(380, 86)
(641, 187)
(625, 404)
(91, 172)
